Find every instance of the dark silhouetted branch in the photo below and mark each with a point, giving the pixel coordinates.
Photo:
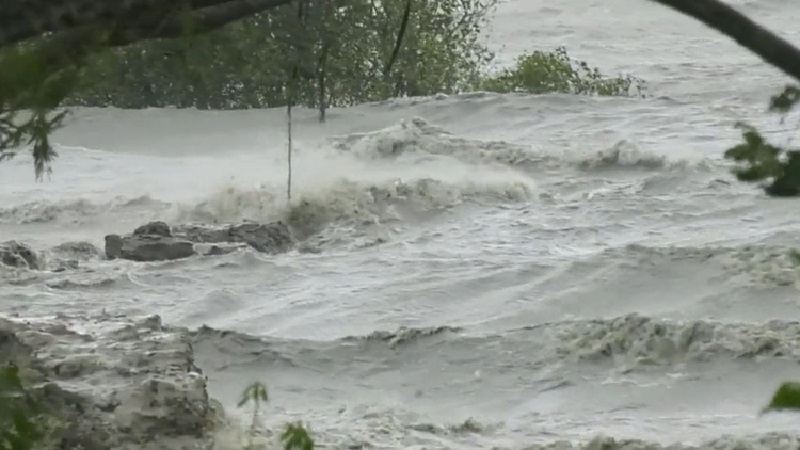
(25, 19)
(400, 34)
(770, 47)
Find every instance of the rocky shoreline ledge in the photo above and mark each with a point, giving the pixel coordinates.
(155, 241)
(113, 383)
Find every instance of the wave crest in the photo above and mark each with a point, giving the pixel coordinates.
(647, 341)
(350, 203)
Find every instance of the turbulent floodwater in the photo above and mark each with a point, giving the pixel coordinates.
(552, 268)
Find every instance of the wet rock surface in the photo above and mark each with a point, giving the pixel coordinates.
(19, 255)
(157, 241)
(272, 238)
(114, 383)
(146, 247)
(153, 229)
(79, 250)
(70, 255)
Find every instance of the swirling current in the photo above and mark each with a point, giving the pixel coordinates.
(477, 270)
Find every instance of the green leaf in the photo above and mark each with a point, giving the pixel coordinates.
(254, 392)
(786, 100)
(786, 397)
(296, 437)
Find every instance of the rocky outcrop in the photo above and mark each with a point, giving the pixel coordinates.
(77, 250)
(66, 256)
(19, 255)
(69, 255)
(147, 248)
(153, 229)
(269, 238)
(149, 242)
(157, 241)
(118, 384)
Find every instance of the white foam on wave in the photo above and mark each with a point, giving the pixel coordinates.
(363, 182)
(337, 177)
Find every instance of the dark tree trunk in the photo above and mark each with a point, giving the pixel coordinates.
(323, 60)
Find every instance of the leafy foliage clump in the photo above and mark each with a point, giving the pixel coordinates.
(255, 393)
(17, 430)
(314, 53)
(341, 49)
(541, 72)
(786, 397)
(296, 437)
(34, 80)
(777, 169)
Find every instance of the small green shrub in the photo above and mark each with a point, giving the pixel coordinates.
(541, 72)
(787, 396)
(17, 430)
(296, 437)
(255, 393)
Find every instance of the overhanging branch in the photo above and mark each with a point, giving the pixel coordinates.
(25, 19)
(769, 46)
(199, 21)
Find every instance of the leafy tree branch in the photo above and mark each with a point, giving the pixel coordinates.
(776, 169)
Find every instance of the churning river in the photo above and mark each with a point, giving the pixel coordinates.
(552, 268)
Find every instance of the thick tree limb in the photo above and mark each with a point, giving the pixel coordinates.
(770, 47)
(199, 21)
(24, 19)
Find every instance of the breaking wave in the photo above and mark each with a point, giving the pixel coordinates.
(392, 177)
(353, 203)
(550, 357)
(409, 171)
(417, 137)
(754, 266)
(71, 211)
(631, 341)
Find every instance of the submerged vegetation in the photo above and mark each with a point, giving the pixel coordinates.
(341, 51)
(786, 397)
(314, 53)
(295, 436)
(17, 429)
(542, 72)
(775, 168)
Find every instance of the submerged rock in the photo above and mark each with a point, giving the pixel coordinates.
(147, 247)
(274, 237)
(153, 229)
(119, 384)
(68, 256)
(204, 233)
(222, 248)
(78, 250)
(19, 255)
(150, 242)
(267, 238)
(157, 241)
